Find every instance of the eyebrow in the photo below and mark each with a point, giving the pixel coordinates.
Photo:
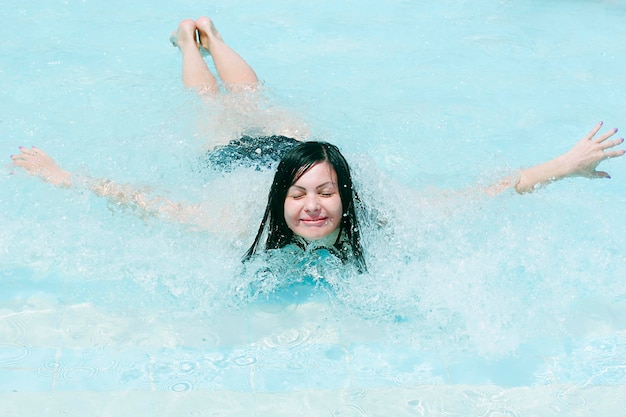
(318, 187)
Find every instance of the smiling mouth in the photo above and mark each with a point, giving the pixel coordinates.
(315, 222)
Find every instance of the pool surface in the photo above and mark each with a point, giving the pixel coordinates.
(472, 306)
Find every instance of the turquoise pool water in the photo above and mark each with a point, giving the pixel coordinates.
(474, 306)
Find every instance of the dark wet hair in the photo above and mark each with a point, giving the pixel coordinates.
(292, 166)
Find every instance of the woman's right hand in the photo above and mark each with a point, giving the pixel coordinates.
(37, 162)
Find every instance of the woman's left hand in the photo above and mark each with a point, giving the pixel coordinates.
(585, 156)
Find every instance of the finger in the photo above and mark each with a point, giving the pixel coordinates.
(37, 151)
(20, 163)
(614, 154)
(612, 143)
(25, 160)
(593, 131)
(606, 135)
(21, 157)
(30, 151)
(18, 157)
(600, 174)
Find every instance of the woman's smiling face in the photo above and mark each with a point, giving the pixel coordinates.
(313, 207)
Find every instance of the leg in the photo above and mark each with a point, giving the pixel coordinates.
(231, 68)
(196, 74)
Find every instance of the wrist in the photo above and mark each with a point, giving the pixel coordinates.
(558, 168)
(61, 179)
(539, 175)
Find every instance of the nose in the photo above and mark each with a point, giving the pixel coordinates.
(311, 204)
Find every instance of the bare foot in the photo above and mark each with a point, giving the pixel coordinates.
(207, 33)
(185, 35)
(37, 162)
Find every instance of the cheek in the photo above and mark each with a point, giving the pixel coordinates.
(290, 212)
(336, 208)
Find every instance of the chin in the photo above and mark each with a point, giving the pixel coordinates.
(316, 235)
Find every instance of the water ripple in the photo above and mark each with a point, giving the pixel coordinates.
(504, 413)
(245, 360)
(78, 373)
(348, 410)
(182, 386)
(609, 374)
(289, 339)
(14, 327)
(570, 398)
(49, 369)
(12, 354)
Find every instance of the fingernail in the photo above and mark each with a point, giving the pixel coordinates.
(608, 176)
(601, 122)
(615, 130)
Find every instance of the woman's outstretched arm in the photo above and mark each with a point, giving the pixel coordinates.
(580, 161)
(38, 163)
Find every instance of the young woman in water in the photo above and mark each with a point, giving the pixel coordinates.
(311, 200)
